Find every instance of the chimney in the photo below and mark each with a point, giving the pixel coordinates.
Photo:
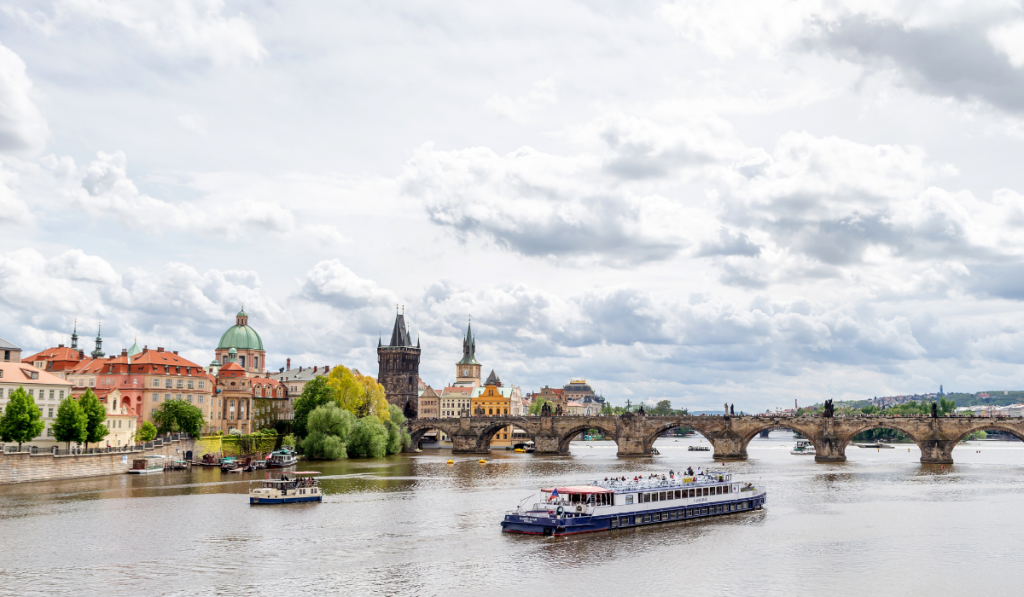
(60, 346)
(300, 368)
(159, 348)
(124, 352)
(314, 368)
(81, 353)
(327, 369)
(175, 352)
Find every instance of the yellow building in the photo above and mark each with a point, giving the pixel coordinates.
(493, 400)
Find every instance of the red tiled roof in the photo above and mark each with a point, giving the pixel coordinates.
(57, 353)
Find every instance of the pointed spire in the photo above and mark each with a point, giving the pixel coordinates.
(417, 340)
(469, 346)
(74, 336)
(399, 335)
(98, 353)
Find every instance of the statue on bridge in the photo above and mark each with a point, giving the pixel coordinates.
(640, 411)
(732, 409)
(545, 409)
(558, 411)
(829, 409)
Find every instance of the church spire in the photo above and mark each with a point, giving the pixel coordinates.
(399, 335)
(98, 353)
(469, 346)
(74, 336)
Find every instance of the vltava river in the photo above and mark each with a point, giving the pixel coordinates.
(880, 524)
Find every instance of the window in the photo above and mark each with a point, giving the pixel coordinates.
(156, 397)
(167, 383)
(49, 432)
(190, 398)
(200, 399)
(31, 391)
(202, 384)
(51, 394)
(167, 396)
(62, 394)
(180, 384)
(177, 396)
(256, 362)
(92, 382)
(156, 383)
(663, 496)
(50, 411)
(703, 510)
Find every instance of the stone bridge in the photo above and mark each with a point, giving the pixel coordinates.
(730, 435)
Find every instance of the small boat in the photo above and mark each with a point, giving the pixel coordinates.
(803, 447)
(288, 489)
(149, 464)
(698, 449)
(229, 463)
(876, 445)
(525, 447)
(282, 458)
(610, 505)
(177, 465)
(209, 460)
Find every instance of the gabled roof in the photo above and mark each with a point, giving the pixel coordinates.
(57, 353)
(21, 374)
(5, 345)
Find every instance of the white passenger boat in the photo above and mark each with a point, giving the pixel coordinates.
(282, 458)
(803, 447)
(617, 504)
(149, 464)
(289, 488)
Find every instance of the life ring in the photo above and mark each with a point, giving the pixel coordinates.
(579, 508)
(559, 510)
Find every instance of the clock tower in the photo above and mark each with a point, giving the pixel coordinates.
(467, 370)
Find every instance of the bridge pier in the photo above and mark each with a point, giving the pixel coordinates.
(937, 451)
(546, 444)
(729, 448)
(470, 444)
(632, 446)
(829, 448)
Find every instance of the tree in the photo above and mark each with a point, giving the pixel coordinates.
(361, 395)
(146, 433)
(398, 437)
(178, 416)
(663, 408)
(369, 439)
(71, 424)
(22, 421)
(329, 428)
(315, 394)
(96, 413)
(538, 405)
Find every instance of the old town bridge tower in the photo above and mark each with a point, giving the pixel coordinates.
(398, 369)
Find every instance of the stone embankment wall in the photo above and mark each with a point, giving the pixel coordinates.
(22, 467)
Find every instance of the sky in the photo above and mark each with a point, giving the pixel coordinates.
(754, 202)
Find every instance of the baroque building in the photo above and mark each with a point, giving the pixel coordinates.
(398, 369)
(247, 343)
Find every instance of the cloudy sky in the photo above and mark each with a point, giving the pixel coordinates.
(695, 200)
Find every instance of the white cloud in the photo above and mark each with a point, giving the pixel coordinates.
(521, 108)
(331, 283)
(179, 28)
(1009, 39)
(22, 126)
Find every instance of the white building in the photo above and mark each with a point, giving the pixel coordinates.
(46, 390)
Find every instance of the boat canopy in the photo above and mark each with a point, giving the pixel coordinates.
(303, 473)
(584, 490)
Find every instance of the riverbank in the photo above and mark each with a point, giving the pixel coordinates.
(24, 467)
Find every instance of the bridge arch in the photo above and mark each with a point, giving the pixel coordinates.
(990, 424)
(887, 423)
(566, 437)
(419, 427)
(487, 432)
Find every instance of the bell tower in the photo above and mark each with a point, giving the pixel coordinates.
(398, 369)
(467, 370)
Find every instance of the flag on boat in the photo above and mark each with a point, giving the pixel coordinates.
(554, 493)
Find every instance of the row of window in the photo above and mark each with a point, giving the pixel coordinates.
(54, 394)
(679, 494)
(200, 398)
(622, 521)
(180, 383)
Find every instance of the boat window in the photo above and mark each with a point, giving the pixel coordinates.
(654, 496)
(629, 499)
(725, 489)
(703, 510)
(662, 494)
(624, 521)
(647, 497)
(615, 523)
(677, 494)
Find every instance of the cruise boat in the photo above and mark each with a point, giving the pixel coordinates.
(282, 458)
(149, 464)
(803, 447)
(289, 488)
(618, 504)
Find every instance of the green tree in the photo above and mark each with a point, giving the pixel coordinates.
(361, 395)
(369, 439)
(22, 421)
(329, 428)
(398, 437)
(663, 408)
(71, 424)
(178, 416)
(96, 413)
(315, 394)
(538, 404)
(146, 433)
(290, 440)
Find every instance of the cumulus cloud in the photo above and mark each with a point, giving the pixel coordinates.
(186, 29)
(332, 283)
(541, 204)
(22, 126)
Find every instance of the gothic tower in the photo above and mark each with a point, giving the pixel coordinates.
(398, 369)
(467, 370)
(98, 353)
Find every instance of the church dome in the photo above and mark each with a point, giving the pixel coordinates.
(240, 335)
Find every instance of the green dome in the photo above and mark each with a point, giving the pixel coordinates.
(241, 337)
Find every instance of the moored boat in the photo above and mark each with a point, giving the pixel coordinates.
(803, 447)
(616, 504)
(282, 458)
(289, 488)
(147, 465)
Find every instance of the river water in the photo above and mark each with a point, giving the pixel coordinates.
(879, 524)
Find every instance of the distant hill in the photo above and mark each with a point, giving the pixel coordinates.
(996, 398)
